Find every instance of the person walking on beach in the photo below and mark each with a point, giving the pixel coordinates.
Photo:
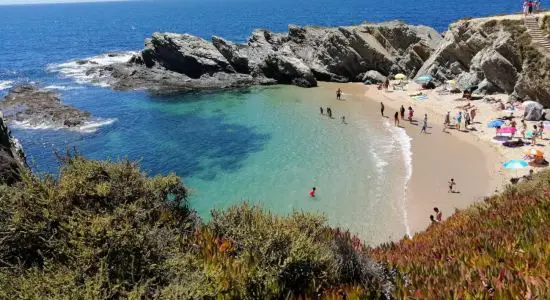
(438, 214)
(411, 113)
(329, 112)
(338, 94)
(541, 129)
(396, 119)
(382, 108)
(466, 120)
(386, 84)
(458, 120)
(447, 121)
(343, 119)
(530, 6)
(321, 109)
(402, 111)
(452, 183)
(424, 124)
(523, 128)
(525, 7)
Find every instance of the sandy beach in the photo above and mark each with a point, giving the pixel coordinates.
(471, 157)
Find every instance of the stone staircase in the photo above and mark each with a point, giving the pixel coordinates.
(537, 35)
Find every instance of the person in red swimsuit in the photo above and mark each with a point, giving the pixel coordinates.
(312, 192)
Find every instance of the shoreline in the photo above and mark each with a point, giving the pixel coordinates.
(436, 157)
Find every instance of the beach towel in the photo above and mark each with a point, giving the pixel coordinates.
(415, 94)
(420, 97)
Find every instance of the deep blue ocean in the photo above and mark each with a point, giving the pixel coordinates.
(258, 144)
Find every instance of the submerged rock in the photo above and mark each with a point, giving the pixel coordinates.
(35, 107)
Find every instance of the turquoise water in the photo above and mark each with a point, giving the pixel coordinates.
(262, 145)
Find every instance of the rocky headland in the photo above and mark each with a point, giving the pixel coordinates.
(301, 57)
(33, 106)
(497, 54)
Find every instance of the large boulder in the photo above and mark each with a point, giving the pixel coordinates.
(231, 52)
(288, 69)
(184, 53)
(533, 111)
(373, 77)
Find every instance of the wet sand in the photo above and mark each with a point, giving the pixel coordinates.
(436, 156)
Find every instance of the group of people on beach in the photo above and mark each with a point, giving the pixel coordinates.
(530, 6)
(467, 114)
(410, 114)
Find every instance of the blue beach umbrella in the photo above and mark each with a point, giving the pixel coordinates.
(424, 78)
(515, 164)
(495, 123)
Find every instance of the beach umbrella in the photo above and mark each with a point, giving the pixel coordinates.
(515, 164)
(424, 78)
(452, 82)
(400, 76)
(533, 152)
(495, 123)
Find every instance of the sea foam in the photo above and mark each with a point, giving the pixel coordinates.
(404, 141)
(88, 127)
(5, 84)
(82, 70)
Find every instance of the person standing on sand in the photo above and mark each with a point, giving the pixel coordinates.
(447, 121)
(386, 84)
(321, 109)
(424, 124)
(466, 120)
(338, 94)
(541, 129)
(402, 111)
(452, 183)
(343, 119)
(472, 115)
(534, 135)
(438, 214)
(458, 120)
(382, 108)
(396, 119)
(411, 113)
(523, 128)
(329, 112)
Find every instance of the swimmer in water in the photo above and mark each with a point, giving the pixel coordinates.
(312, 192)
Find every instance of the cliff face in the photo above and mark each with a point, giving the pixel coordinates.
(300, 57)
(12, 158)
(497, 54)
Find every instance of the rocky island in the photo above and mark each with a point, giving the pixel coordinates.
(29, 104)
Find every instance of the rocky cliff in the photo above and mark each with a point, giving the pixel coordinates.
(497, 54)
(12, 158)
(300, 57)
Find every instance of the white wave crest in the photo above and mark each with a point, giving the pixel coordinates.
(5, 84)
(86, 71)
(62, 87)
(404, 142)
(88, 127)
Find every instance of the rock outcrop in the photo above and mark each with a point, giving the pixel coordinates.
(29, 104)
(12, 158)
(300, 57)
(495, 54)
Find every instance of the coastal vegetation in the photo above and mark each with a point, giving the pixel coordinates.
(497, 249)
(106, 230)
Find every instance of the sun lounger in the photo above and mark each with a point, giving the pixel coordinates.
(420, 97)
